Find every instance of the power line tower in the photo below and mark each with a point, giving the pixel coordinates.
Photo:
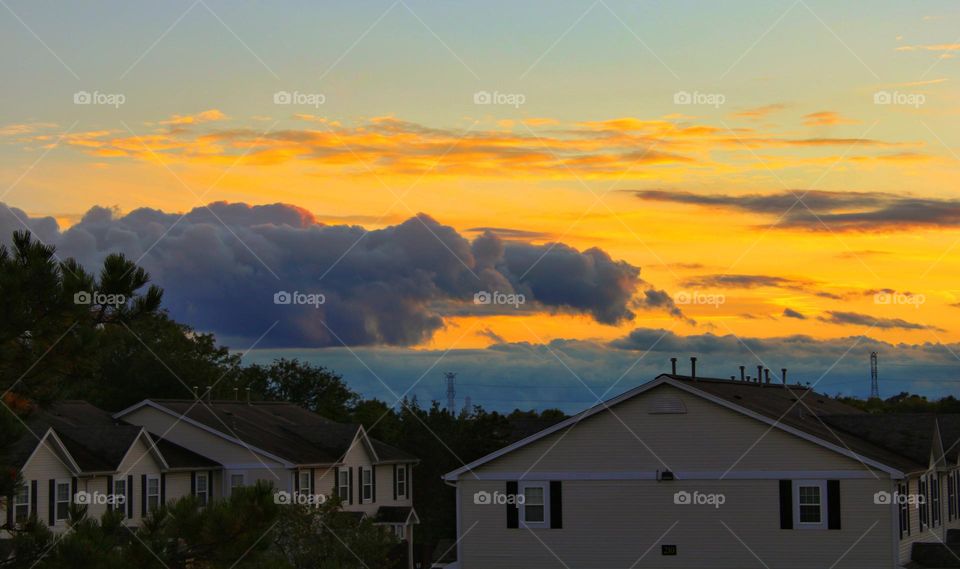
(874, 384)
(451, 392)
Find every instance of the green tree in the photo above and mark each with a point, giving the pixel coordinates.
(314, 387)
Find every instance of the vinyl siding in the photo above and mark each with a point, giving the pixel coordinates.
(46, 464)
(927, 534)
(613, 523)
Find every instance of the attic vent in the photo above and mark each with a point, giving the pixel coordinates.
(666, 405)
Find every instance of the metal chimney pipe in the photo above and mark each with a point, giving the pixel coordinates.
(693, 368)
(248, 396)
(759, 374)
(236, 393)
(742, 368)
(784, 372)
(767, 371)
(673, 366)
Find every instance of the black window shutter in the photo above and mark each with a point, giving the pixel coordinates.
(33, 498)
(209, 485)
(10, 511)
(73, 488)
(373, 478)
(193, 483)
(163, 488)
(786, 504)
(51, 503)
(833, 504)
(907, 507)
(143, 495)
(130, 496)
(296, 481)
(513, 512)
(350, 491)
(556, 504)
(336, 481)
(110, 498)
(394, 481)
(313, 480)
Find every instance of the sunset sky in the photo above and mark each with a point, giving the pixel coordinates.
(759, 183)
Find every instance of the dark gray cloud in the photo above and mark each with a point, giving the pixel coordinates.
(857, 319)
(791, 313)
(759, 281)
(221, 265)
(836, 211)
(507, 233)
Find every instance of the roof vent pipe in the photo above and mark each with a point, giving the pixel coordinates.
(742, 368)
(195, 392)
(673, 366)
(767, 371)
(248, 396)
(759, 374)
(693, 368)
(784, 372)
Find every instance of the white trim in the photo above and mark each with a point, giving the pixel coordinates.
(661, 380)
(682, 475)
(230, 486)
(406, 482)
(206, 490)
(147, 494)
(66, 454)
(367, 443)
(365, 485)
(824, 514)
(521, 491)
(57, 501)
(182, 417)
(151, 448)
(244, 466)
(15, 503)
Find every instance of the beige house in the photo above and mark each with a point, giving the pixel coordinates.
(305, 456)
(686, 472)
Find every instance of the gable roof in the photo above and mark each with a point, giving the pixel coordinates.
(795, 409)
(284, 431)
(91, 438)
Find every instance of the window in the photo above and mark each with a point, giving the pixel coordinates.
(62, 500)
(810, 504)
(21, 505)
(343, 486)
(904, 510)
(120, 496)
(402, 481)
(534, 511)
(400, 531)
(306, 482)
(237, 481)
(203, 489)
(366, 480)
(935, 500)
(153, 492)
(922, 502)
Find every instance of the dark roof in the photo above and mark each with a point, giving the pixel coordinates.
(806, 410)
(95, 440)
(282, 429)
(393, 514)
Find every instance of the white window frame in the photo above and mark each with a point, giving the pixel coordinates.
(57, 501)
(366, 485)
(522, 491)
(305, 478)
(120, 504)
(400, 531)
(343, 484)
(243, 481)
(206, 488)
(150, 495)
(824, 514)
(402, 481)
(18, 505)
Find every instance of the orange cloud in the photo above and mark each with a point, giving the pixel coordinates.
(826, 118)
(758, 113)
(211, 115)
(945, 47)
